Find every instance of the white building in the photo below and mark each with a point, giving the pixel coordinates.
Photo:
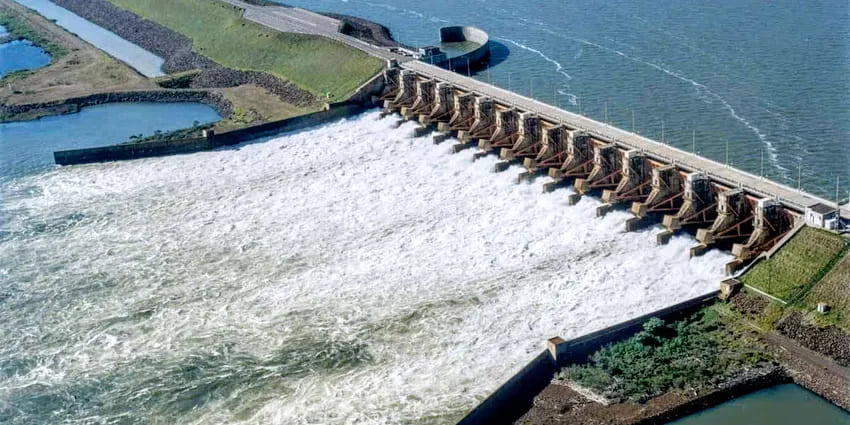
(822, 216)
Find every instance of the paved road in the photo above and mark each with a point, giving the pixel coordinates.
(288, 19)
(297, 20)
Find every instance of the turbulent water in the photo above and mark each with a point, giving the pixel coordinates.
(769, 78)
(349, 274)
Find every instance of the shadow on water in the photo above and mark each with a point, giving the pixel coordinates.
(498, 54)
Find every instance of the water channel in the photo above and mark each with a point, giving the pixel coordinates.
(140, 59)
(786, 404)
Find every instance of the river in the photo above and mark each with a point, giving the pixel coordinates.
(769, 78)
(337, 275)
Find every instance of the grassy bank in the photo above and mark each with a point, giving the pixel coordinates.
(218, 31)
(834, 289)
(803, 261)
(21, 29)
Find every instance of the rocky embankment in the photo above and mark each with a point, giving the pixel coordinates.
(178, 54)
(366, 30)
(35, 110)
(829, 341)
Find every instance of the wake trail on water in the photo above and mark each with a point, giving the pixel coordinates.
(558, 67)
(344, 274)
(771, 149)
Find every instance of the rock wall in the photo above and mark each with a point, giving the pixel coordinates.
(214, 99)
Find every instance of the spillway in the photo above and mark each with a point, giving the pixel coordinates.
(348, 274)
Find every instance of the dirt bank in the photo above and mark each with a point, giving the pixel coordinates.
(178, 53)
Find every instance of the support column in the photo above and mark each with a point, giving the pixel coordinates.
(734, 220)
(484, 120)
(607, 168)
(665, 196)
(529, 138)
(578, 162)
(406, 94)
(635, 181)
(699, 206)
(442, 107)
(551, 144)
(423, 102)
(505, 134)
(770, 223)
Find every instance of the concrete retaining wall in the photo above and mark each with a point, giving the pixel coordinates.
(152, 149)
(516, 396)
(357, 103)
(466, 33)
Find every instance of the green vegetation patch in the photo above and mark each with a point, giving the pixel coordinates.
(316, 64)
(20, 28)
(798, 265)
(689, 354)
(196, 130)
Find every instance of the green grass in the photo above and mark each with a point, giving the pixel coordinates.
(798, 265)
(833, 289)
(689, 354)
(316, 64)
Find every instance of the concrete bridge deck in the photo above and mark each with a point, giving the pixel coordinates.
(288, 19)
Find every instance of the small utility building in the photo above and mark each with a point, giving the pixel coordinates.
(822, 216)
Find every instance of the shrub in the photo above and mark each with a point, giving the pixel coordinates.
(690, 353)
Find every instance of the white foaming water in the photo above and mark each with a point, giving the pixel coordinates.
(347, 274)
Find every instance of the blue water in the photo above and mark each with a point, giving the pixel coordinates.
(780, 405)
(27, 147)
(145, 62)
(769, 77)
(21, 54)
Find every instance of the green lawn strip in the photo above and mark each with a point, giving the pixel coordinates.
(792, 271)
(700, 351)
(19, 27)
(219, 32)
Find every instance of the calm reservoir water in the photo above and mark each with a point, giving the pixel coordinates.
(145, 62)
(771, 78)
(27, 147)
(21, 54)
(787, 404)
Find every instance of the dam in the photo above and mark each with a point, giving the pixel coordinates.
(725, 206)
(260, 270)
